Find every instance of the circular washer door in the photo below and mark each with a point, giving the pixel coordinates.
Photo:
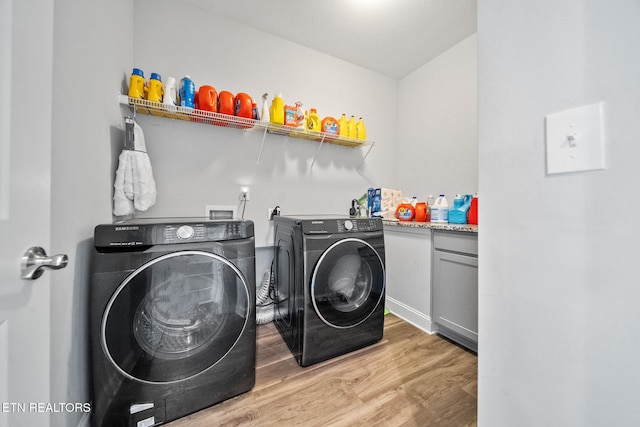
(175, 316)
(347, 283)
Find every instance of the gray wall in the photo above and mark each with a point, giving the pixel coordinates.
(438, 125)
(558, 279)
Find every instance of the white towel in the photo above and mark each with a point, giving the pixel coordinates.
(134, 186)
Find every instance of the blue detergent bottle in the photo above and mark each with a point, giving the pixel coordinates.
(458, 213)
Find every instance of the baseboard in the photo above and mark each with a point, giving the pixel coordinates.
(411, 315)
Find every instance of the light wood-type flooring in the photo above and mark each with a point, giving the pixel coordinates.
(409, 378)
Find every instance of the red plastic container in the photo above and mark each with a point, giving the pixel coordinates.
(421, 212)
(472, 213)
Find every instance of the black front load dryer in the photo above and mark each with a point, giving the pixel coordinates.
(172, 318)
(330, 284)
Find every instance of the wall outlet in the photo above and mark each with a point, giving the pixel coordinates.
(244, 193)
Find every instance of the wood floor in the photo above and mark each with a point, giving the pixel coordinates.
(410, 378)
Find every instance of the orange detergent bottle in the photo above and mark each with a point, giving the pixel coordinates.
(421, 212)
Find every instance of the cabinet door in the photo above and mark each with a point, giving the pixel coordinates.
(408, 275)
(455, 293)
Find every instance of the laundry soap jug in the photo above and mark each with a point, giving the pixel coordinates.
(440, 210)
(313, 120)
(361, 131)
(136, 84)
(421, 212)
(342, 126)
(472, 213)
(351, 128)
(276, 111)
(458, 213)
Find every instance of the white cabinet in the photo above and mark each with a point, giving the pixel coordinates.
(408, 274)
(455, 286)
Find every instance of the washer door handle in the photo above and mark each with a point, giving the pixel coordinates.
(35, 260)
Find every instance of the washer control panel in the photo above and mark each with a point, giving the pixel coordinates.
(347, 225)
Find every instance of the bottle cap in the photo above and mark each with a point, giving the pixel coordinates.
(138, 72)
(156, 76)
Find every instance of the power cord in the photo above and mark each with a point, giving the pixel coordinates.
(244, 204)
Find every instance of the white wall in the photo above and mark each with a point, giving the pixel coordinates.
(92, 52)
(197, 164)
(558, 279)
(438, 125)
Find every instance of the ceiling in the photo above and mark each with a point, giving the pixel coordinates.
(391, 37)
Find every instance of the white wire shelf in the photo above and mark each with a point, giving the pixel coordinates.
(224, 120)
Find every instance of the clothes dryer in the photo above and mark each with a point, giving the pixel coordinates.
(330, 284)
(172, 318)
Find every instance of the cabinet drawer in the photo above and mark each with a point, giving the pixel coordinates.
(465, 243)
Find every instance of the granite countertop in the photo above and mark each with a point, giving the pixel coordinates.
(467, 228)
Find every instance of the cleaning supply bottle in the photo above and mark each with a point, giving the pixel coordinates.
(313, 121)
(264, 112)
(472, 213)
(276, 111)
(342, 123)
(136, 84)
(430, 200)
(351, 126)
(421, 212)
(169, 97)
(440, 210)
(361, 131)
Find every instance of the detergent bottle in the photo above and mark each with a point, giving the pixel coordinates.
(342, 124)
(458, 213)
(276, 111)
(421, 212)
(361, 131)
(313, 121)
(136, 84)
(440, 210)
(472, 213)
(351, 126)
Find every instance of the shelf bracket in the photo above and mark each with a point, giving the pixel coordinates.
(315, 156)
(366, 154)
(264, 134)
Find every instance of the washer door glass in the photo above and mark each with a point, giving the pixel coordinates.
(347, 283)
(175, 316)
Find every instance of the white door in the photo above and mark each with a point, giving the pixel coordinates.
(26, 47)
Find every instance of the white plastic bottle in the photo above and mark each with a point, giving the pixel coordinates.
(440, 210)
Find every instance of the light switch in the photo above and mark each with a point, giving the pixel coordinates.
(575, 140)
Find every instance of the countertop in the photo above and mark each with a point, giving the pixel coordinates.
(466, 228)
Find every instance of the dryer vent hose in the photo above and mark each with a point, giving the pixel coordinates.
(264, 304)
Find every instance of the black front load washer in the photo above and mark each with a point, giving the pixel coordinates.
(330, 284)
(172, 318)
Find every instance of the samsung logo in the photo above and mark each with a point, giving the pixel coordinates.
(127, 227)
(317, 222)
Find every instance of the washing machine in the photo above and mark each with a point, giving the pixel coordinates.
(172, 318)
(329, 274)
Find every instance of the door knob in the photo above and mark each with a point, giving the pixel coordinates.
(35, 260)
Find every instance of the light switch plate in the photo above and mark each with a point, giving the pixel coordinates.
(575, 140)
